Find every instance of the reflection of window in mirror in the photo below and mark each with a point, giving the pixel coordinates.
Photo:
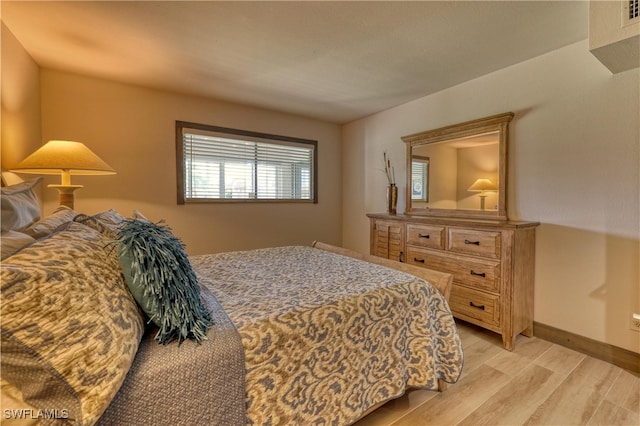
(420, 178)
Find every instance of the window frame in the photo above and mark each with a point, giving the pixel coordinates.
(239, 134)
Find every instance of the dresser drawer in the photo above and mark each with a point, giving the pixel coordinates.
(472, 304)
(472, 272)
(426, 236)
(478, 243)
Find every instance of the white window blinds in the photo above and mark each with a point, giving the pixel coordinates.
(418, 180)
(245, 166)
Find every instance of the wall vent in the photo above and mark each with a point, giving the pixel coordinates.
(630, 12)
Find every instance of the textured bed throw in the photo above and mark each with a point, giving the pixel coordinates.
(189, 384)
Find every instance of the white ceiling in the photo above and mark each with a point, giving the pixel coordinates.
(336, 61)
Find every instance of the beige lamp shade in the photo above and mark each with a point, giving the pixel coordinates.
(54, 157)
(482, 185)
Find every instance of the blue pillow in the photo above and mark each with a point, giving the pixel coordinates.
(159, 275)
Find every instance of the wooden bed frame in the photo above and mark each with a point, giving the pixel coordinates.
(441, 280)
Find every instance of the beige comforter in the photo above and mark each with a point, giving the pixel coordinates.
(327, 337)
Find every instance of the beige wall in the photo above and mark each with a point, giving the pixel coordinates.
(574, 166)
(20, 92)
(133, 130)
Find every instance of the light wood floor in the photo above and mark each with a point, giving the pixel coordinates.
(539, 383)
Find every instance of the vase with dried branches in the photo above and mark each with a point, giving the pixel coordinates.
(392, 189)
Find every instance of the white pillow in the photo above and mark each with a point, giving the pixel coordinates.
(47, 225)
(20, 207)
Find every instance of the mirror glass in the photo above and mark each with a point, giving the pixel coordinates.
(459, 170)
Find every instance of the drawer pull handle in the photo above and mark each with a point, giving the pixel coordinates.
(415, 259)
(477, 243)
(478, 274)
(423, 236)
(473, 305)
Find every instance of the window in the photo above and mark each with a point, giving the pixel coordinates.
(420, 178)
(220, 164)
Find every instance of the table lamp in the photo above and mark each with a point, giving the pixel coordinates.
(65, 158)
(482, 186)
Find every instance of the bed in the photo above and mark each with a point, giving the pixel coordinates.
(300, 335)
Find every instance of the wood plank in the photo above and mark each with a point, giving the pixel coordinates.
(612, 414)
(515, 402)
(626, 392)
(513, 363)
(465, 396)
(560, 359)
(576, 400)
(477, 354)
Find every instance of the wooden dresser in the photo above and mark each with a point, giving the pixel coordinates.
(492, 263)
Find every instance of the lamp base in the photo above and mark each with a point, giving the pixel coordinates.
(482, 198)
(65, 193)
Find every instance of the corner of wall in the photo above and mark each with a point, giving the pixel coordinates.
(20, 119)
(20, 83)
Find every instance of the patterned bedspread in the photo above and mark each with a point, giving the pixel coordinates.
(326, 337)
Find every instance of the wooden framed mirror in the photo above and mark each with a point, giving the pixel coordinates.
(466, 169)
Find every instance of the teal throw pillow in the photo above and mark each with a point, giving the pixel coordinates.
(158, 273)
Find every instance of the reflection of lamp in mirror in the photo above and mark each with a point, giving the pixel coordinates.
(65, 158)
(482, 186)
